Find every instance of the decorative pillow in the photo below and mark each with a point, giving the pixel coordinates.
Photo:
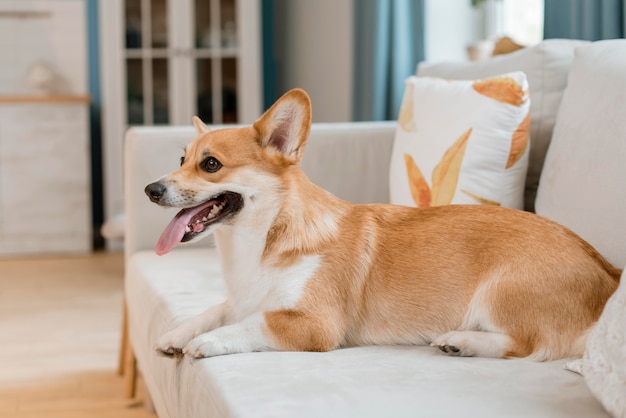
(462, 142)
(546, 66)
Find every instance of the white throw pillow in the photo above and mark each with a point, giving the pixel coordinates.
(462, 142)
(546, 65)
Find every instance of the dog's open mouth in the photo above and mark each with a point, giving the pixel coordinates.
(190, 222)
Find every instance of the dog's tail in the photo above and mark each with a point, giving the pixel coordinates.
(609, 268)
(580, 343)
(615, 273)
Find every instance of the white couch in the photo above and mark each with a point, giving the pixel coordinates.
(582, 186)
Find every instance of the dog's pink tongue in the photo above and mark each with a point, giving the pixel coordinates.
(173, 233)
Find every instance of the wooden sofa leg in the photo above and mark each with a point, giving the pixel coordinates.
(123, 341)
(130, 371)
(147, 399)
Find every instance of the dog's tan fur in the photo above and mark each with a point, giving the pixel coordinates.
(472, 280)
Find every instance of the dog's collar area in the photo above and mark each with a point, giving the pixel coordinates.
(215, 210)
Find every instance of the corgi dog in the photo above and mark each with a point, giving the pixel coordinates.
(307, 271)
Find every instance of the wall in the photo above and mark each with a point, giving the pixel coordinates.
(313, 51)
(313, 43)
(450, 25)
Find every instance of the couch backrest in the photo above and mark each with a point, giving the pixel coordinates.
(351, 160)
(583, 183)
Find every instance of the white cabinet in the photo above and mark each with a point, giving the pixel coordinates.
(45, 184)
(45, 200)
(164, 61)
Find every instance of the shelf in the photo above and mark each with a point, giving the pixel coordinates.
(138, 53)
(43, 98)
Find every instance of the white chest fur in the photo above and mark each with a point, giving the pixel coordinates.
(254, 286)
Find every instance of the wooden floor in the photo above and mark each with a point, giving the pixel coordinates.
(60, 322)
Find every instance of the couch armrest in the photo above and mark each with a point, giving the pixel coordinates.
(351, 160)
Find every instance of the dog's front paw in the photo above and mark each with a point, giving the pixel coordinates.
(205, 345)
(172, 343)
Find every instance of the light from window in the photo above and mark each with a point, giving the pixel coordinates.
(523, 21)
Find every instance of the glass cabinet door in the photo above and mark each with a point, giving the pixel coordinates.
(215, 56)
(205, 60)
(164, 61)
(146, 62)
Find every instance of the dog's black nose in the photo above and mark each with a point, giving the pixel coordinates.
(155, 191)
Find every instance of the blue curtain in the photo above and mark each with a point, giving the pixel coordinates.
(270, 84)
(95, 119)
(389, 42)
(591, 20)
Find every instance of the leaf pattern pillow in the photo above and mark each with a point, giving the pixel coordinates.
(462, 142)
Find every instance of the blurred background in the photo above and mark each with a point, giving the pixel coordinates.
(76, 74)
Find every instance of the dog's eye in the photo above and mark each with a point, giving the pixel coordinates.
(211, 165)
(182, 161)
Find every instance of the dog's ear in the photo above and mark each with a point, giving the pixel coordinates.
(284, 128)
(200, 126)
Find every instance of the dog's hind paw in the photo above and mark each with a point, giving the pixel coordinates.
(455, 343)
(449, 349)
(472, 343)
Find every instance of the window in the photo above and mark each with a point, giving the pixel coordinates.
(522, 21)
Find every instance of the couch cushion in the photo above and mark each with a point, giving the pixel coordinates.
(583, 182)
(546, 65)
(401, 381)
(462, 141)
